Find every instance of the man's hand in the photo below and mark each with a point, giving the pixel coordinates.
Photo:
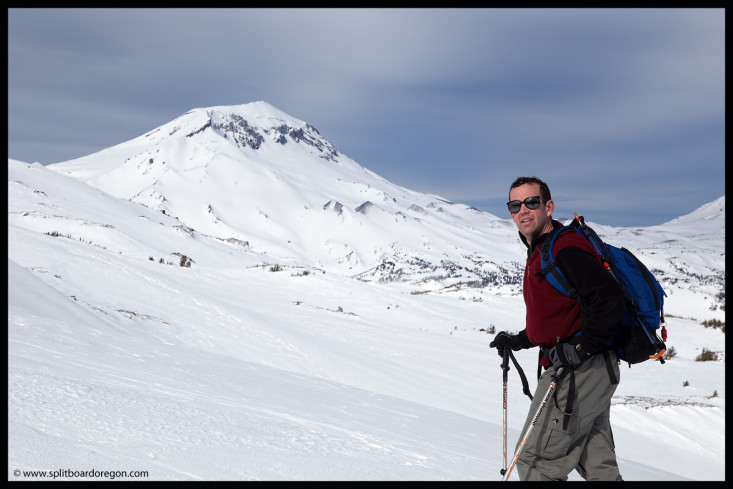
(566, 355)
(505, 340)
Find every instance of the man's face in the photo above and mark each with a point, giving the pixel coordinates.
(531, 223)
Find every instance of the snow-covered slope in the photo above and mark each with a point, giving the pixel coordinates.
(291, 315)
(126, 359)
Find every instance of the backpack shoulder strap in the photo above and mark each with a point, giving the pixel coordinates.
(550, 269)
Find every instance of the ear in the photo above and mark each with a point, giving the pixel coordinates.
(550, 206)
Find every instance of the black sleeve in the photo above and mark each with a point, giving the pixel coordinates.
(524, 339)
(602, 297)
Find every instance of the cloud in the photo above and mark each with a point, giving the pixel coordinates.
(449, 101)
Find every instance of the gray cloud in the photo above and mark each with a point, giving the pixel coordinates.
(456, 102)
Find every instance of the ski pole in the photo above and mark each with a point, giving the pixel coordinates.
(505, 376)
(555, 378)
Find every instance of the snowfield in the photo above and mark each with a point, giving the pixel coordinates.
(147, 345)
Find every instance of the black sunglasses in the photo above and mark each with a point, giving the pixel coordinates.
(532, 203)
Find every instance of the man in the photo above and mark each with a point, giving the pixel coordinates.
(574, 429)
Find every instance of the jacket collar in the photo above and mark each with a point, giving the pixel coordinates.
(531, 246)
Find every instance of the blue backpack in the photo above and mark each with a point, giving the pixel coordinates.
(636, 340)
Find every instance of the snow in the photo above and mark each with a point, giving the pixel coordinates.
(252, 364)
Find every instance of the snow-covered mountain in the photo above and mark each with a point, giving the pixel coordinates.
(272, 325)
(253, 175)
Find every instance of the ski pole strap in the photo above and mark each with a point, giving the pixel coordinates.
(569, 401)
(543, 353)
(609, 367)
(525, 384)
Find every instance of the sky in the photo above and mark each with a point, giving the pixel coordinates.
(620, 111)
(231, 369)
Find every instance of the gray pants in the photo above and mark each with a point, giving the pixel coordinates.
(583, 441)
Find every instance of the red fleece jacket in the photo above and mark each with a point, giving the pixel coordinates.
(552, 316)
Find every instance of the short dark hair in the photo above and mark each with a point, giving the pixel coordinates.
(544, 189)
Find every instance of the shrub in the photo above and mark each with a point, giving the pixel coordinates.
(707, 356)
(670, 353)
(714, 323)
(57, 234)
